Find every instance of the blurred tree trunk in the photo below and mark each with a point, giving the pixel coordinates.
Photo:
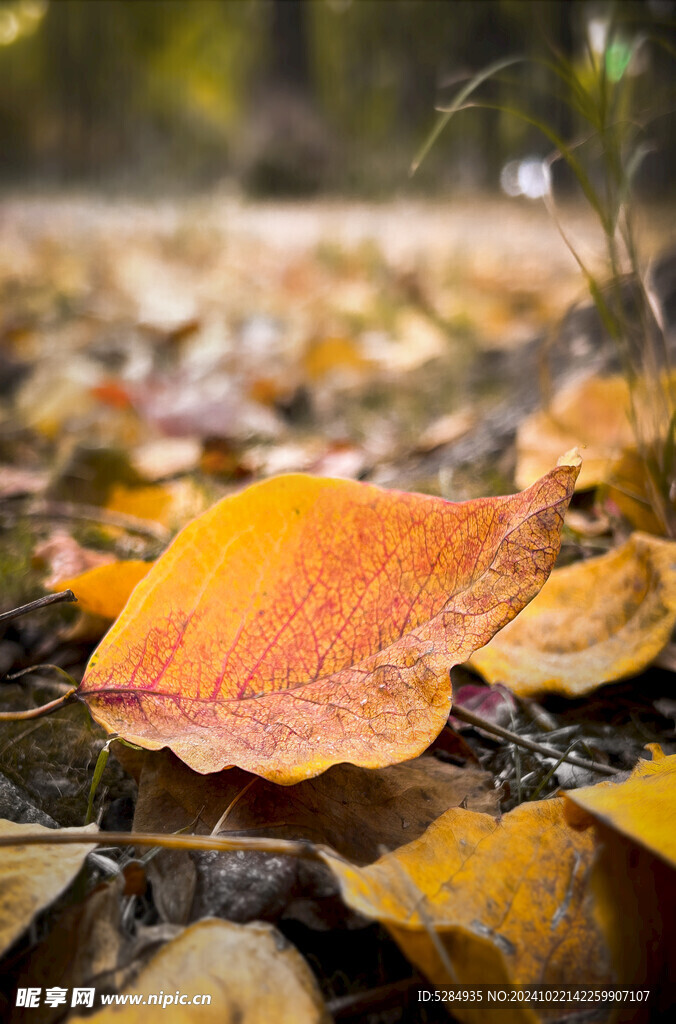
(290, 63)
(288, 140)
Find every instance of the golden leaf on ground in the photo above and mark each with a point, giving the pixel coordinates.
(172, 504)
(306, 621)
(592, 413)
(334, 357)
(477, 901)
(31, 877)
(628, 492)
(643, 808)
(105, 590)
(633, 878)
(249, 972)
(593, 622)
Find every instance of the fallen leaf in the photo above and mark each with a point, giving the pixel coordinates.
(208, 406)
(592, 623)
(84, 944)
(166, 457)
(494, 704)
(305, 621)
(172, 504)
(64, 558)
(250, 972)
(633, 878)
(593, 414)
(105, 589)
(506, 901)
(15, 481)
(628, 492)
(32, 877)
(335, 358)
(446, 429)
(354, 810)
(642, 808)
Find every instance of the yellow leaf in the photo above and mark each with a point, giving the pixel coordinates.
(105, 589)
(643, 808)
(629, 491)
(593, 622)
(31, 877)
(328, 357)
(592, 414)
(633, 880)
(251, 974)
(475, 901)
(170, 504)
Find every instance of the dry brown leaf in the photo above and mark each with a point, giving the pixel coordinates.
(336, 359)
(249, 971)
(354, 810)
(593, 622)
(32, 877)
(84, 944)
(508, 901)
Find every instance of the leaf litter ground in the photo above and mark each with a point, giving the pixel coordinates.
(152, 366)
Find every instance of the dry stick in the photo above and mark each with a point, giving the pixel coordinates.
(41, 602)
(359, 1003)
(44, 709)
(581, 762)
(69, 510)
(280, 847)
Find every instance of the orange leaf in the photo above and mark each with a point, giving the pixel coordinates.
(105, 589)
(306, 622)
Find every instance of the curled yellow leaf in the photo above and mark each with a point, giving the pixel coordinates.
(593, 622)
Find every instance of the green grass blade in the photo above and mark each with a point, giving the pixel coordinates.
(458, 104)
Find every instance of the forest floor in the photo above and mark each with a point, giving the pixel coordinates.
(155, 358)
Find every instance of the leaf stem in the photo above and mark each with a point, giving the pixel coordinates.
(40, 602)
(539, 748)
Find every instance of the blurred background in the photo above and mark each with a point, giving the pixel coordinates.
(297, 97)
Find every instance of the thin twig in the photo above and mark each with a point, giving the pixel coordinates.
(539, 748)
(91, 513)
(279, 847)
(40, 602)
(359, 1003)
(44, 709)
